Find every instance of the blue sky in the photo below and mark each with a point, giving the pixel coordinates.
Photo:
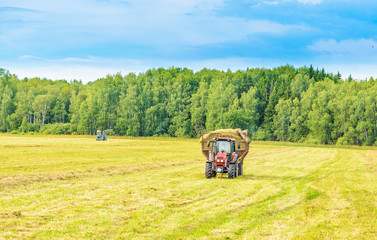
(88, 39)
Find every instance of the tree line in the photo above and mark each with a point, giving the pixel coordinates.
(285, 103)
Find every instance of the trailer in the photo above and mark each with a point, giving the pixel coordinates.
(225, 151)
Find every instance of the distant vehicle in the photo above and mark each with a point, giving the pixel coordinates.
(225, 150)
(101, 135)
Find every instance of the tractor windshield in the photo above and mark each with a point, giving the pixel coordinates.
(223, 146)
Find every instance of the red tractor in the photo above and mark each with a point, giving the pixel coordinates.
(225, 150)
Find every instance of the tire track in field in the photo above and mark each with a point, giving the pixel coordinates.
(271, 152)
(12, 181)
(371, 160)
(218, 220)
(278, 201)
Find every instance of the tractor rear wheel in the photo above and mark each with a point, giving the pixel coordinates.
(240, 169)
(209, 171)
(232, 170)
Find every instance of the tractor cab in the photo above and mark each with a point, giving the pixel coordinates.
(224, 152)
(224, 146)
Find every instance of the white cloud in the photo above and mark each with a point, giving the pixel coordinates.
(357, 71)
(310, 1)
(276, 2)
(35, 59)
(356, 57)
(266, 3)
(161, 22)
(29, 57)
(70, 68)
(92, 68)
(358, 49)
(58, 72)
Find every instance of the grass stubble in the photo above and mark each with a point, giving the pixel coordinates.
(64, 187)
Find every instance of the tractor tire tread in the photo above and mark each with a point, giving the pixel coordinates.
(232, 171)
(208, 171)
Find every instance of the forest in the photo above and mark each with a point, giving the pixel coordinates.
(285, 104)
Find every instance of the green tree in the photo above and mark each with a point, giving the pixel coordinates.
(6, 109)
(128, 122)
(41, 106)
(282, 119)
(198, 110)
(221, 96)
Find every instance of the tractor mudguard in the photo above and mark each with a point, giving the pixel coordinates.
(234, 159)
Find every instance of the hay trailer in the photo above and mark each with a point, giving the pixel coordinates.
(225, 150)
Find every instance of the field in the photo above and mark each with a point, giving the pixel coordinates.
(66, 187)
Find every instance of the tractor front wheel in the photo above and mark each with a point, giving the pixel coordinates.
(232, 171)
(209, 171)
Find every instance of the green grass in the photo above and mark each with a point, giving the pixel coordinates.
(64, 187)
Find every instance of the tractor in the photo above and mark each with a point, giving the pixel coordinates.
(225, 150)
(101, 135)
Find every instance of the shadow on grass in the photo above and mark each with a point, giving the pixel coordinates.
(224, 176)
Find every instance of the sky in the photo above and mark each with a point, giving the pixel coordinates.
(89, 39)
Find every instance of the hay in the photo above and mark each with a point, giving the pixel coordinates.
(230, 133)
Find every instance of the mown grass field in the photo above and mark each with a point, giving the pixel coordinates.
(54, 187)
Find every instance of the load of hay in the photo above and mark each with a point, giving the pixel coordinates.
(237, 134)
